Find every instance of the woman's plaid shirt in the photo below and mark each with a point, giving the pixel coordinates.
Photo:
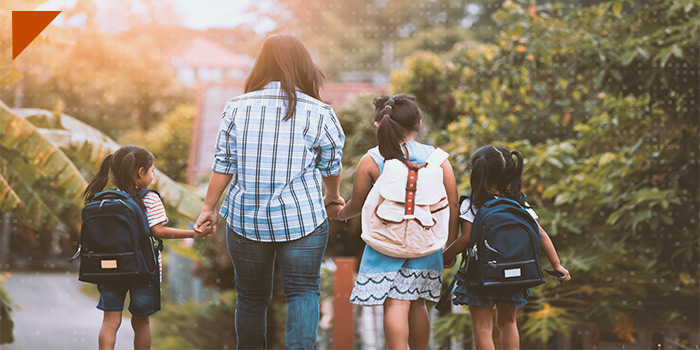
(276, 192)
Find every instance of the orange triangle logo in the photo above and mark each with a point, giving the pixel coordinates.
(26, 26)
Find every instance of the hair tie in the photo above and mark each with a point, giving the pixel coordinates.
(390, 107)
(386, 115)
(391, 99)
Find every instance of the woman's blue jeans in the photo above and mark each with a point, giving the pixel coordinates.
(300, 264)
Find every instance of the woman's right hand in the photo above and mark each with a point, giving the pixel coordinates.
(208, 215)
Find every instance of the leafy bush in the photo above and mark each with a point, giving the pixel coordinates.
(603, 103)
(191, 325)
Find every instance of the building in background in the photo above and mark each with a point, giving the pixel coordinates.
(201, 60)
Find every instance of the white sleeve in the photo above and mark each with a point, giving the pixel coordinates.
(531, 211)
(464, 212)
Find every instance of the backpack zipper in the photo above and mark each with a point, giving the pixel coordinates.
(495, 264)
(90, 254)
(77, 254)
(486, 244)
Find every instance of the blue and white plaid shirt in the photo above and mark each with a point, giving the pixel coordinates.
(276, 193)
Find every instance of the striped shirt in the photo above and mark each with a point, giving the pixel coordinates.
(155, 212)
(277, 165)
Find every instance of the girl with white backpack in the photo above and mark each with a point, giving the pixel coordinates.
(407, 195)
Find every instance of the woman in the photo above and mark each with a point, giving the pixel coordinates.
(278, 142)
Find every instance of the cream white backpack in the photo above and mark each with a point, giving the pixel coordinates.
(406, 213)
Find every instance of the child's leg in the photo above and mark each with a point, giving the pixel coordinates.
(396, 323)
(418, 325)
(108, 333)
(507, 326)
(482, 323)
(142, 332)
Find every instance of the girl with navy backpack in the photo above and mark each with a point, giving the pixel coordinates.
(495, 174)
(132, 170)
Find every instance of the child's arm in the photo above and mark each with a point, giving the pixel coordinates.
(457, 246)
(448, 179)
(163, 232)
(366, 173)
(551, 254)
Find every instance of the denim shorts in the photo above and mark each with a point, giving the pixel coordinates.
(144, 298)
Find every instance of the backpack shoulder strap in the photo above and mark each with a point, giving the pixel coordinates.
(437, 157)
(111, 194)
(144, 191)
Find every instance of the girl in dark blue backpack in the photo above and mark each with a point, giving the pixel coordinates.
(132, 169)
(494, 173)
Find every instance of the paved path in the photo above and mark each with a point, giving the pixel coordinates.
(53, 313)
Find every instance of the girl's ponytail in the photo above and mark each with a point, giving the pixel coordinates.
(389, 139)
(478, 179)
(516, 175)
(100, 180)
(125, 172)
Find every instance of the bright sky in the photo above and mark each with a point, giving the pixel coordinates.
(199, 14)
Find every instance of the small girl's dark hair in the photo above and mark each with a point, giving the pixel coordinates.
(495, 165)
(397, 117)
(123, 164)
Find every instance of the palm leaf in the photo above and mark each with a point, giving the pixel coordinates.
(32, 208)
(89, 146)
(10, 199)
(46, 161)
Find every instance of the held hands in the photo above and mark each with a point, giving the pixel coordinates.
(203, 231)
(333, 206)
(333, 209)
(205, 225)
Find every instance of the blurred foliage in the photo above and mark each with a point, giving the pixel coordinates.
(45, 162)
(365, 35)
(431, 80)
(113, 82)
(192, 325)
(168, 140)
(602, 102)
(6, 323)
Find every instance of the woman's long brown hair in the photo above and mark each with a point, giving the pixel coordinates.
(284, 58)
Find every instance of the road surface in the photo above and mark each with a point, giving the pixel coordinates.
(52, 313)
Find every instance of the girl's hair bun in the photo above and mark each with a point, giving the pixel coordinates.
(379, 102)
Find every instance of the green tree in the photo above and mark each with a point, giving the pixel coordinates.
(114, 83)
(367, 36)
(602, 101)
(168, 140)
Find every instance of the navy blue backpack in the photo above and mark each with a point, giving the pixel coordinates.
(504, 250)
(505, 247)
(116, 246)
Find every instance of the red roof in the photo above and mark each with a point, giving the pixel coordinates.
(211, 99)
